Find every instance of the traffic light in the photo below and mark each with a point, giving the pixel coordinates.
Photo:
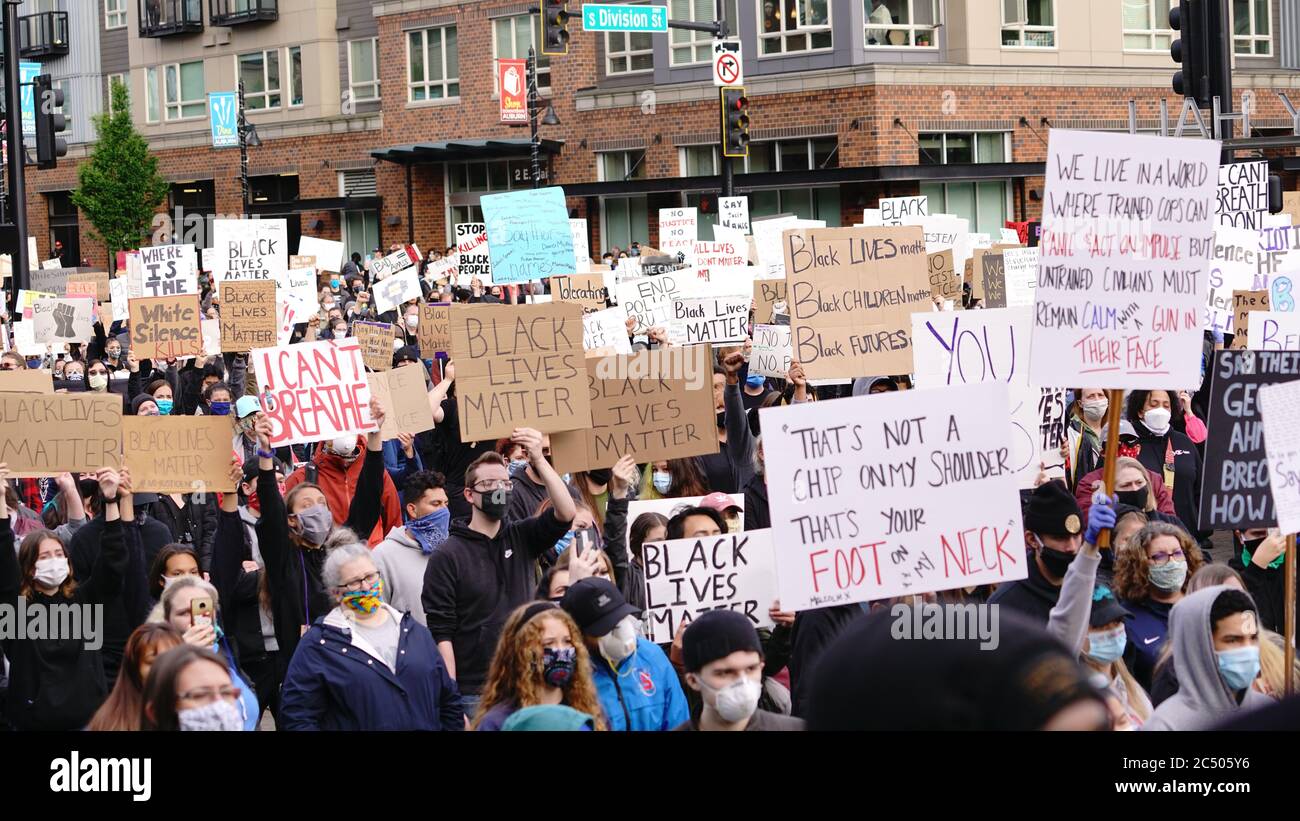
(735, 122)
(1204, 51)
(555, 27)
(49, 145)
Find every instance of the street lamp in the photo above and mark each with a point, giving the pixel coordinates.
(548, 118)
(247, 138)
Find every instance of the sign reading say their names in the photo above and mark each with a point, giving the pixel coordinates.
(1128, 228)
(528, 235)
(169, 454)
(733, 212)
(313, 390)
(376, 340)
(688, 577)
(891, 495)
(166, 327)
(78, 433)
(519, 366)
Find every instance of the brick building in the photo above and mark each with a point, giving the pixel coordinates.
(379, 121)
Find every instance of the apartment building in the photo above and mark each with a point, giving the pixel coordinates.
(378, 121)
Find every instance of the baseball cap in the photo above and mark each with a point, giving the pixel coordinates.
(721, 502)
(247, 405)
(596, 605)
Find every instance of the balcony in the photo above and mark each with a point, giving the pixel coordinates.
(43, 35)
(237, 12)
(164, 18)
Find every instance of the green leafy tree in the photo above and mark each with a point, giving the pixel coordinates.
(119, 189)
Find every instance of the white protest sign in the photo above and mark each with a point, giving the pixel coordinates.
(287, 315)
(52, 264)
(167, 270)
(399, 260)
(398, 288)
(715, 257)
(1009, 236)
(1128, 228)
(1273, 331)
(687, 577)
(25, 341)
(961, 347)
(299, 288)
(1279, 408)
(893, 494)
(64, 319)
(768, 247)
(733, 212)
(604, 333)
(120, 292)
(1243, 194)
(893, 210)
(581, 245)
(711, 320)
(211, 330)
(726, 281)
(648, 300)
(328, 253)
(313, 390)
(1020, 267)
(667, 507)
(249, 249)
(677, 230)
(472, 247)
(1233, 267)
(942, 231)
(446, 268)
(771, 353)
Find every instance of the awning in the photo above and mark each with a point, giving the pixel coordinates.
(300, 206)
(463, 150)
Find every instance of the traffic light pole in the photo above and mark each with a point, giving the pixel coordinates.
(534, 140)
(719, 32)
(17, 156)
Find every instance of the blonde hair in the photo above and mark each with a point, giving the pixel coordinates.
(1272, 662)
(1129, 462)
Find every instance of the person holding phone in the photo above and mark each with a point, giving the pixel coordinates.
(189, 689)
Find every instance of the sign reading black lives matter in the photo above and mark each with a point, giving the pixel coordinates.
(250, 249)
(1235, 490)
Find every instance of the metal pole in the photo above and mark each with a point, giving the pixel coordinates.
(532, 117)
(728, 172)
(17, 155)
(243, 150)
(1288, 625)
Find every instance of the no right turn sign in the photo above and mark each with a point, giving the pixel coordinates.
(727, 69)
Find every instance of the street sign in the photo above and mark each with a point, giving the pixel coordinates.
(223, 114)
(727, 69)
(27, 76)
(513, 91)
(603, 17)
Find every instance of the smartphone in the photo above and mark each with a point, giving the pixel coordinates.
(201, 611)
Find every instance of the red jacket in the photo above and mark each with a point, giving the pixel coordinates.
(1083, 493)
(339, 483)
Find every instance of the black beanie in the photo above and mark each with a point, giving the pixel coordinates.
(715, 635)
(1053, 511)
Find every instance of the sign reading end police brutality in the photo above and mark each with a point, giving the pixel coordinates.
(894, 494)
(313, 390)
(1128, 228)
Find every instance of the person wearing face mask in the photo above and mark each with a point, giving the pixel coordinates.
(723, 659)
(487, 565)
(754, 390)
(638, 687)
(189, 689)
(113, 356)
(58, 683)
(174, 561)
(403, 555)
(338, 466)
(74, 373)
(541, 659)
(1103, 651)
(1084, 440)
(1168, 452)
(216, 401)
(365, 665)
(1152, 571)
(1258, 557)
(732, 514)
(529, 490)
(1216, 649)
(1053, 537)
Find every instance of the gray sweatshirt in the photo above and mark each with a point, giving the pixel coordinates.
(399, 560)
(1072, 613)
(1203, 698)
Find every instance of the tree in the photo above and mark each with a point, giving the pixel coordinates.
(119, 189)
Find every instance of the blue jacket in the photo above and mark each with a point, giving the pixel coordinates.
(334, 683)
(644, 693)
(1147, 632)
(398, 466)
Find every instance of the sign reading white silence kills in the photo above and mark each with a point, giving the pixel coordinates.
(892, 494)
(1279, 408)
(1128, 228)
(686, 578)
(313, 390)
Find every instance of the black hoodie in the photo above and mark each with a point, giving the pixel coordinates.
(472, 583)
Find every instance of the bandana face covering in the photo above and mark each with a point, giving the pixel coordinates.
(365, 602)
(431, 530)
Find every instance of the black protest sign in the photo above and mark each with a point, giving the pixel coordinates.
(1235, 492)
(995, 281)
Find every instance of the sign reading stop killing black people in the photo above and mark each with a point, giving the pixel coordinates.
(1235, 490)
(894, 494)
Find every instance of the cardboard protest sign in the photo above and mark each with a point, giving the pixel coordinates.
(328, 253)
(249, 250)
(26, 381)
(768, 295)
(446, 269)
(1127, 231)
(893, 494)
(604, 333)
(588, 290)
(1236, 265)
(1242, 194)
(709, 257)
(168, 270)
(1020, 274)
(852, 293)
(894, 210)
(1279, 408)
(528, 234)
(975, 273)
(1235, 491)
(401, 393)
(687, 577)
(581, 245)
(44, 435)
(376, 340)
(709, 320)
(434, 329)
(733, 212)
(944, 282)
(1273, 331)
(248, 316)
(99, 279)
(653, 405)
(166, 327)
(769, 244)
(63, 319)
(678, 230)
(519, 366)
(401, 259)
(649, 300)
(472, 248)
(962, 347)
(1244, 303)
(995, 281)
(50, 280)
(178, 454)
(397, 289)
(771, 353)
(313, 390)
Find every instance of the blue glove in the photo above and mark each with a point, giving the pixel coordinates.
(1101, 516)
(1218, 335)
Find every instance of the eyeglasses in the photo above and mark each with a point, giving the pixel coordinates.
(357, 584)
(7, 366)
(207, 695)
(500, 484)
(1163, 558)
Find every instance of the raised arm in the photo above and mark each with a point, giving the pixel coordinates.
(367, 502)
(561, 502)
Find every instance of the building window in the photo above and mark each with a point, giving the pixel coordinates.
(892, 23)
(363, 78)
(1028, 23)
(186, 95)
(964, 147)
(511, 37)
(114, 14)
(1252, 27)
(260, 72)
(113, 78)
(794, 25)
(624, 220)
(692, 47)
(151, 95)
(433, 64)
(295, 76)
(793, 155)
(488, 177)
(984, 203)
(273, 188)
(629, 53)
(699, 160)
(621, 165)
(466, 213)
(1146, 25)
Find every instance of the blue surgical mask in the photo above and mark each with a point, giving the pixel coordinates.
(518, 466)
(755, 380)
(1105, 647)
(220, 408)
(662, 481)
(564, 542)
(334, 283)
(1239, 667)
(164, 406)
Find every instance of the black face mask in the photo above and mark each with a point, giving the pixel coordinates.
(600, 477)
(1252, 545)
(494, 504)
(1056, 561)
(1133, 498)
